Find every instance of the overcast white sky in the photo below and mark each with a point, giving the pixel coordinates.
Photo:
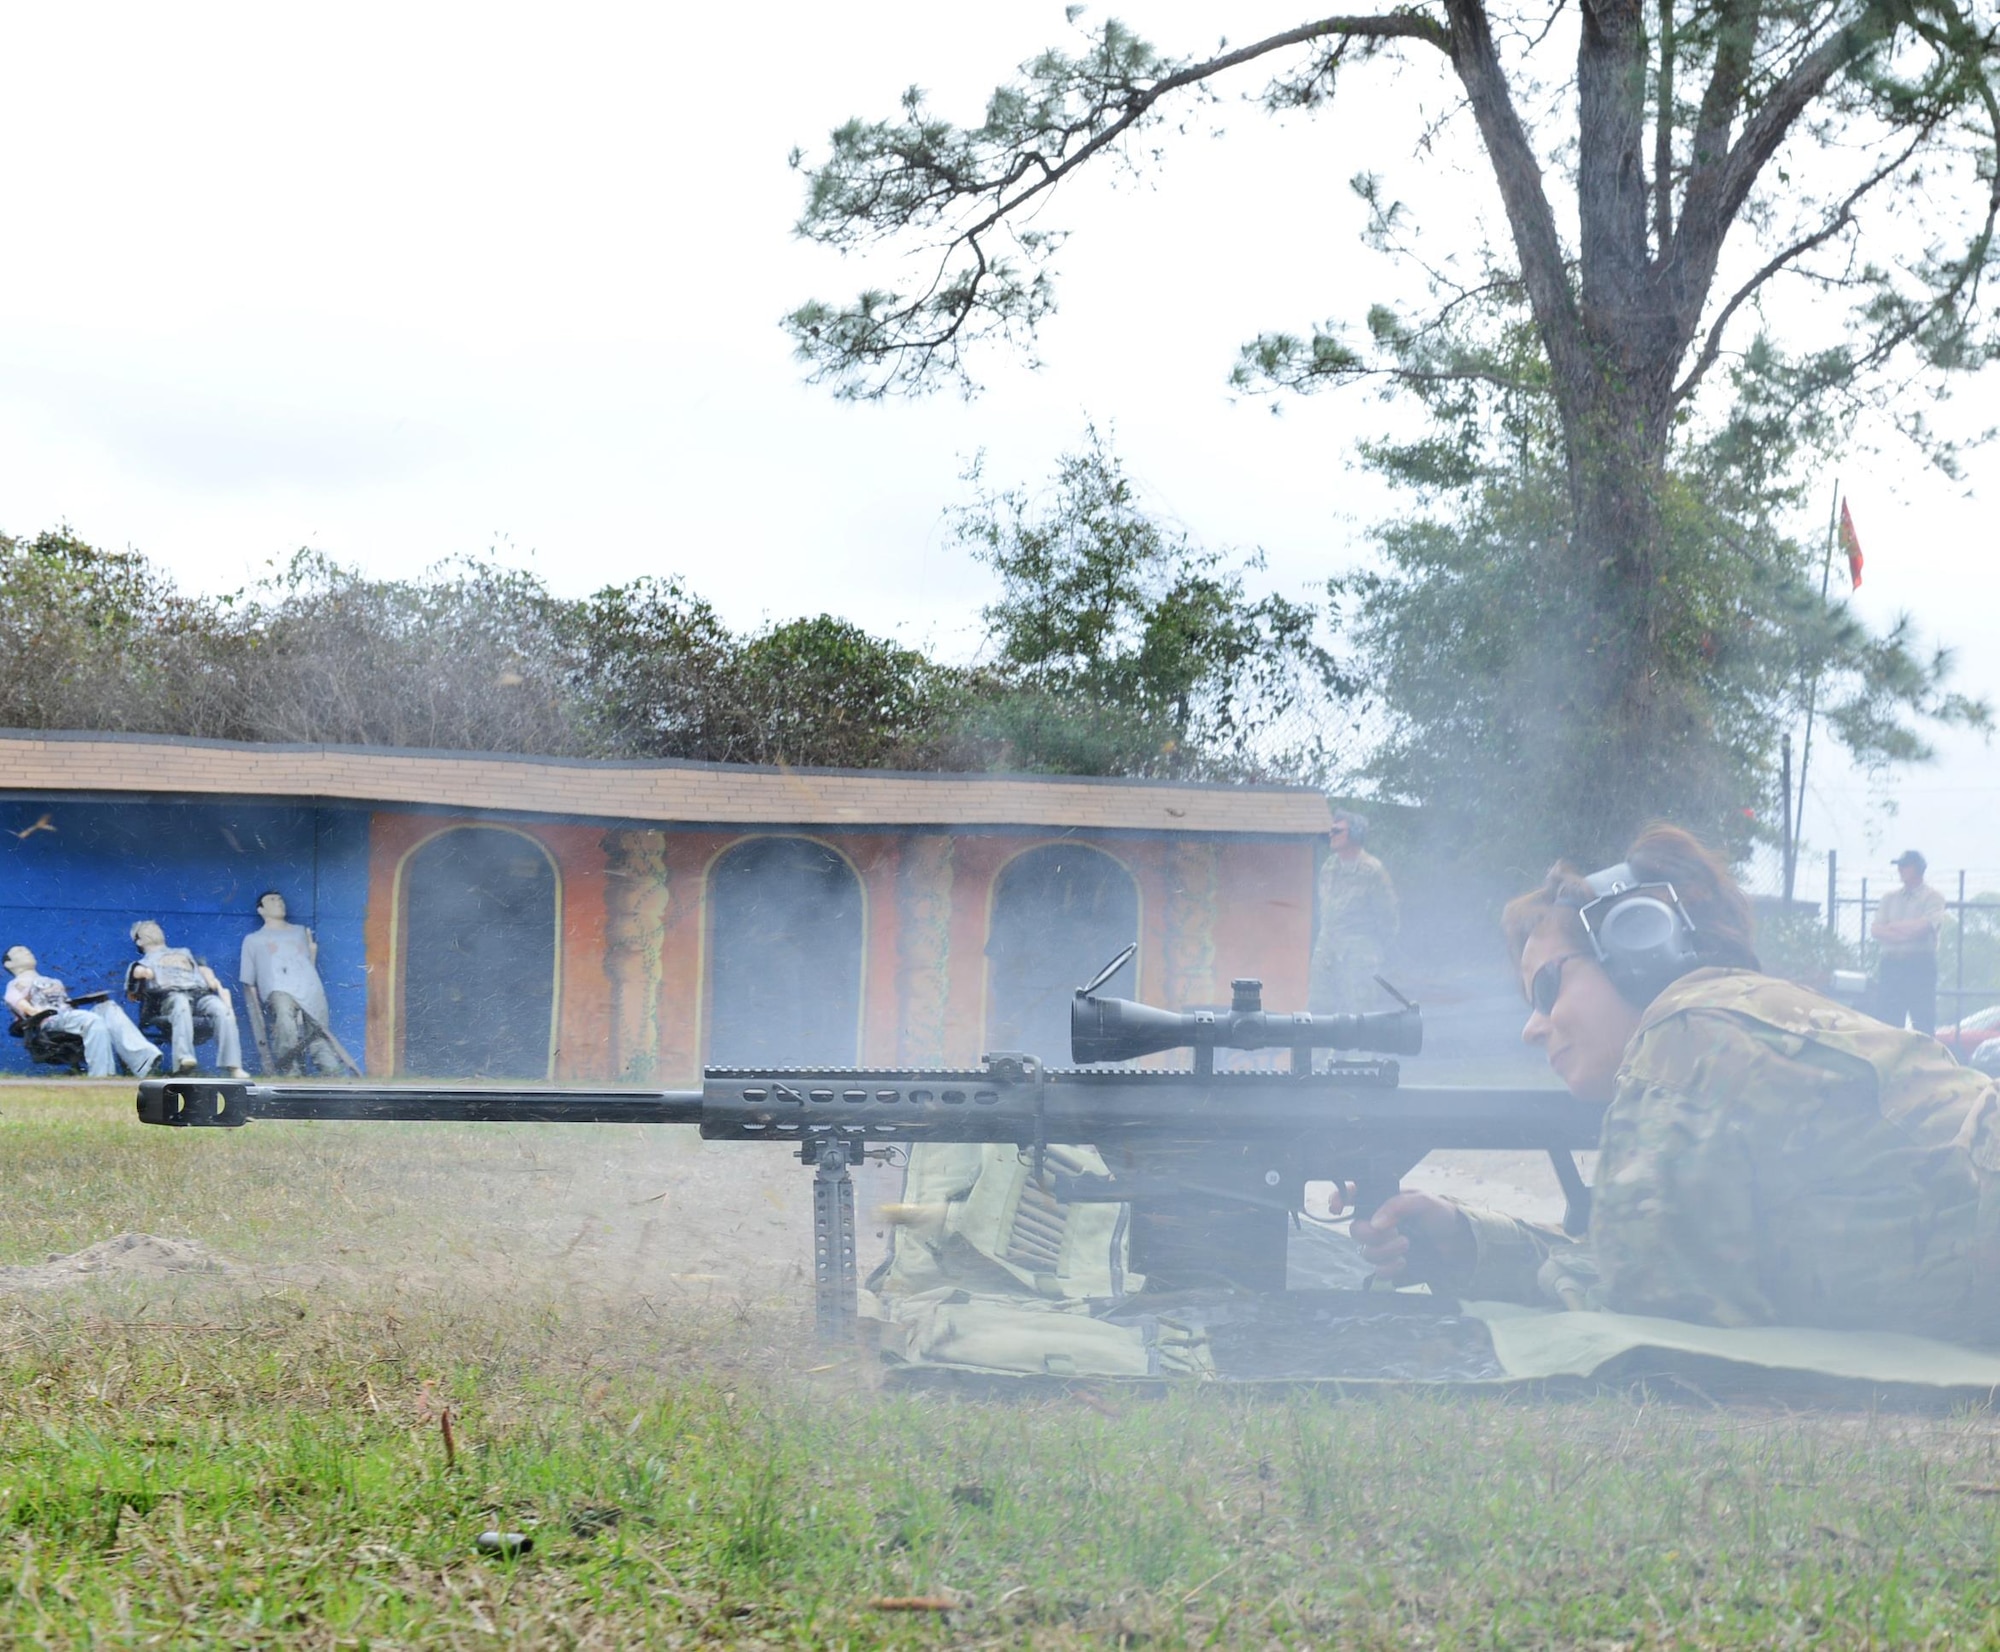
(404, 282)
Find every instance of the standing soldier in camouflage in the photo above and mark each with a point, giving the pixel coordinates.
(1358, 918)
(1770, 1156)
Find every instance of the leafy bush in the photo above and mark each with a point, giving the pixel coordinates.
(1175, 671)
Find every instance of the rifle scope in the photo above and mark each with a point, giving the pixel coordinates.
(1117, 1029)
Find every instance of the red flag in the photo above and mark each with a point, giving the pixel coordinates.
(1850, 542)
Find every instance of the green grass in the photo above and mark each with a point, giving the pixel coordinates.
(255, 1458)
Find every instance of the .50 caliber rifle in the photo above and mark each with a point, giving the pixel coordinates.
(1213, 1164)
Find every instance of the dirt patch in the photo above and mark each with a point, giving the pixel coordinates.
(129, 1255)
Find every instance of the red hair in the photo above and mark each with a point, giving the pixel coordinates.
(1724, 930)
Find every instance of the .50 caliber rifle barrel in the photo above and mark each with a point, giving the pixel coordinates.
(230, 1102)
(910, 1106)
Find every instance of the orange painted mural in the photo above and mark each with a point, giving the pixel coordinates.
(639, 954)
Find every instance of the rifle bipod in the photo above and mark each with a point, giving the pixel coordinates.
(836, 1278)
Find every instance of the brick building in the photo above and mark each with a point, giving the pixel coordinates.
(531, 917)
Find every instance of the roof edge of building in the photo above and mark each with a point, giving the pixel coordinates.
(613, 765)
(45, 762)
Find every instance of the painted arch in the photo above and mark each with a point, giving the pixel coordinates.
(786, 932)
(1059, 913)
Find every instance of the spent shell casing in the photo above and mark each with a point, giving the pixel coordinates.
(503, 1543)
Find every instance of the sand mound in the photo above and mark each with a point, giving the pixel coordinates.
(128, 1255)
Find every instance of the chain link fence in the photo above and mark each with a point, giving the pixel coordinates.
(1317, 740)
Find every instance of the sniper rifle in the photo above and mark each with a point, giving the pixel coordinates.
(1213, 1164)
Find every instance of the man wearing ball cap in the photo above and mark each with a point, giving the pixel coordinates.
(1906, 928)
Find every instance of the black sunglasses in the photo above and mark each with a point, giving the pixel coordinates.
(1547, 985)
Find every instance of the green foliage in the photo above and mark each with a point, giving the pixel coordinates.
(1605, 612)
(824, 691)
(104, 630)
(660, 675)
(918, 173)
(1479, 643)
(1981, 956)
(467, 658)
(1121, 650)
(1794, 942)
(1124, 648)
(651, 659)
(1850, 145)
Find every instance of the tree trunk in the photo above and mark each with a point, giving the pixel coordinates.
(1613, 340)
(1622, 719)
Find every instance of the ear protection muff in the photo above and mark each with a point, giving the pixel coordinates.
(1640, 932)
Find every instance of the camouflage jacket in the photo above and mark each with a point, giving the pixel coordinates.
(1771, 1157)
(1356, 901)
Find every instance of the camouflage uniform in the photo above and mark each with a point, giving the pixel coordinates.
(1771, 1157)
(1358, 919)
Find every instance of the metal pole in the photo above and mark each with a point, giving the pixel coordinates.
(1958, 976)
(1864, 923)
(1812, 688)
(1832, 893)
(1787, 845)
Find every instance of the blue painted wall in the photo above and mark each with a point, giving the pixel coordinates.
(74, 877)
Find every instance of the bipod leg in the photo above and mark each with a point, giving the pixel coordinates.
(836, 1278)
(1576, 1197)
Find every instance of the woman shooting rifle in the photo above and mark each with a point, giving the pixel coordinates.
(1769, 1156)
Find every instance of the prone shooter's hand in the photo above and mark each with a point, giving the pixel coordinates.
(1417, 1239)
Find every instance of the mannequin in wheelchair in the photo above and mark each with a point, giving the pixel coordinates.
(48, 1046)
(282, 990)
(87, 1034)
(179, 996)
